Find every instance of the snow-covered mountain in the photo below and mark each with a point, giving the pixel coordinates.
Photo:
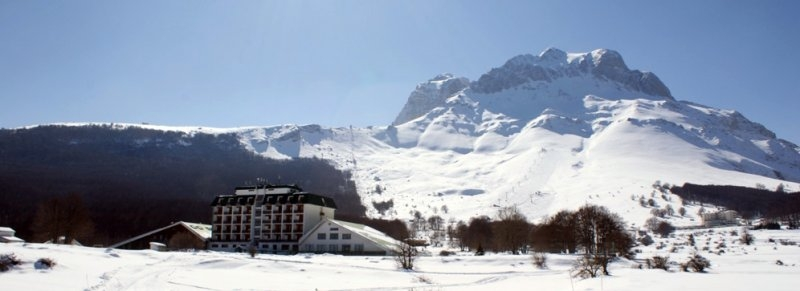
(546, 132)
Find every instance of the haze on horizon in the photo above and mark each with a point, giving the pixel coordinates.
(342, 63)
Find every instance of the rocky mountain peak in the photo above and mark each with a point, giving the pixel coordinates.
(552, 63)
(431, 94)
(552, 53)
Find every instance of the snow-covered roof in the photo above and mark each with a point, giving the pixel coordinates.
(199, 229)
(6, 229)
(379, 238)
(10, 239)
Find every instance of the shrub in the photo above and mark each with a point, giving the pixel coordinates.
(480, 251)
(659, 227)
(445, 253)
(746, 237)
(659, 262)
(44, 263)
(8, 261)
(587, 266)
(646, 240)
(769, 225)
(252, 250)
(405, 255)
(539, 260)
(697, 263)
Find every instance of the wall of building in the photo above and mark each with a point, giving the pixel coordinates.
(177, 237)
(332, 238)
(275, 228)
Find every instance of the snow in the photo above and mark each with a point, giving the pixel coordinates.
(740, 267)
(542, 145)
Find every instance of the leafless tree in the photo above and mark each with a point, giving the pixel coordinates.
(602, 234)
(511, 230)
(586, 266)
(404, 255)
(479, 233)
(62, 216)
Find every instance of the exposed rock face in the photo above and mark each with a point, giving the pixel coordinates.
(429, 95)
(553, 64)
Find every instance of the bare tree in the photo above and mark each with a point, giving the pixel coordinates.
(462, 233)
(511, 230)
(436, 222)
(479, 233)
(404, 255)
(602, 234)
(586, 266)
(556, 234)
(65, 217)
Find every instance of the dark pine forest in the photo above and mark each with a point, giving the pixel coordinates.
(132, 180)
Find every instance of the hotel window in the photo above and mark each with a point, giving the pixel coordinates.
(320, 236)
(320, 248)
(333, 248)
(345, 236)
(334, 236)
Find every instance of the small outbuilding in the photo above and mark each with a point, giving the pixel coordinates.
(177, 236)
(7, 236)
(347, 238)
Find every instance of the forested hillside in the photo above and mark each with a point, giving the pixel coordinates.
(749, 202)
(132, 179)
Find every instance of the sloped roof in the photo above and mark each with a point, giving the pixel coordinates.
(199, 229)
(384, 241)
(10, 239)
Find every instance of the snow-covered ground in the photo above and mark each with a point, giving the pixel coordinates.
(739, 267)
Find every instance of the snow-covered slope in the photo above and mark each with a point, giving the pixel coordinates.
(543, 133)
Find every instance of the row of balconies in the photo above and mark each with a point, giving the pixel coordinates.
(263, 209)
(246, 237)
(267, 228)
(282, 237)
(268, 218)
(231, 220)
(231, 237)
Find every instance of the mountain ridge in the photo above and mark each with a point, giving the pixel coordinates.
(543, 133)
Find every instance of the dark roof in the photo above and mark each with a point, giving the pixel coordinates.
(202, 231)
(293, 198)
(289, 188)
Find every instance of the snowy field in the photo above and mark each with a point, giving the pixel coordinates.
(739, 267)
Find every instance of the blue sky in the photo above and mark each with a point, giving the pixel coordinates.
(340, 63)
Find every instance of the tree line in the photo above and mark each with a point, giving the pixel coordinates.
(134, 180)
(593, 231)
(748, 202)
